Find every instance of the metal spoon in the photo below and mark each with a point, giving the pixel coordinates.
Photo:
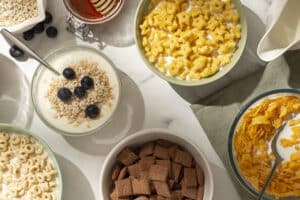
(278, 160)
(28, 50)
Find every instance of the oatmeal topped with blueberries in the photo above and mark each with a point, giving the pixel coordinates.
(81, 92)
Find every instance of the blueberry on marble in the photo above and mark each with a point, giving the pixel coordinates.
(28, 35)
(79, 91)
(39, 28)
(16, 52)
(69, 73)
(87, 82)
(64, 94)
(92, 111)
(51, 32)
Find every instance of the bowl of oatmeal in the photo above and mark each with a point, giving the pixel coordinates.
(83, 98)
(17, 16)
(190, 42)
(249, 144)
(29, 169)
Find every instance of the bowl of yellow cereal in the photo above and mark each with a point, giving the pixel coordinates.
(190, 42)
(29, 169)
(249, 149)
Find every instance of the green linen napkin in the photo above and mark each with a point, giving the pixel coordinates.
(217, 112)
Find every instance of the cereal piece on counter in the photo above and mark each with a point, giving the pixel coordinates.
(172, 150)
(145, 163)
(158, 173)
(161, 152)
(189, 177)
(162, 188)
(200, 176)
(200, 193)
(175, 171)
(183, 158)
(116, 172)
(147, 150)
(140, 186)
(123, 173)
(141, 198)
(123, 188)
(127, 157)
(134, 171)
(189, 192)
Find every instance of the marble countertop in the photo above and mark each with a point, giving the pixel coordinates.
(149, 102)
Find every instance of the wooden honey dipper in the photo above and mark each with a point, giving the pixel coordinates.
(104, 6)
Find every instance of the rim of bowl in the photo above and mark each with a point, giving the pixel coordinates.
(228, 67)
(161, 131)
(40, 69)
(94, 21)
(238, 176)
(18, 130)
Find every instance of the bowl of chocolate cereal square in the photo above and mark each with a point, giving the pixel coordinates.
(17, 16)
(190, 42)
(83, 98)
(29, 169)
(156, 164)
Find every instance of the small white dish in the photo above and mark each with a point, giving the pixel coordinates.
(147, 135)
(29, 23)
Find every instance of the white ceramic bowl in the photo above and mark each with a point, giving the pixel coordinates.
(29, 23)
(147, 135)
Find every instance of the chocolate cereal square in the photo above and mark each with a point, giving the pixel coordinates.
(189, 192)
(140, 187)
(161, 152)
(162, 188)
(147, 150)
(127, 157)
(183, 158)
(134, 171)
(189, 177)
(200, 193)
(116, 172)
(145, 163)
(200, 175)
(123, 173)
(175, 171)
(158, 173)
(123, 188)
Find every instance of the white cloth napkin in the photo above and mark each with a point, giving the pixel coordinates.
(282, 30)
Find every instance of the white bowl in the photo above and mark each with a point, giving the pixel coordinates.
(147, 135)
(29, 23)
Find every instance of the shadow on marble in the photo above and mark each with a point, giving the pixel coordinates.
(293, 60)
(118, 32)
(128, 119)
(75, 184)
(248, 64)
(15, 98)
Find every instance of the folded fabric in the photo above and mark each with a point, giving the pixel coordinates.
(282, 30)
(217, 112)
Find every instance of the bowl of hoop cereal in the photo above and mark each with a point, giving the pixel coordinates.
(190, 42)
(29, 169)
(249, 148)
(156, 164)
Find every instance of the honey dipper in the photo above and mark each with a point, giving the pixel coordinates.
(104, 6)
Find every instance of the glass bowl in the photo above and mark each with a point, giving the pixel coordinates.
(16, 130)
(231, 154)
(61, 59)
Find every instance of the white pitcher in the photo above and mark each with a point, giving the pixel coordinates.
(283, 30)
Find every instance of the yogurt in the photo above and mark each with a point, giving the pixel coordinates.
(60, 60)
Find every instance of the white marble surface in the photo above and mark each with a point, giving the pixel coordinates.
(81, 158)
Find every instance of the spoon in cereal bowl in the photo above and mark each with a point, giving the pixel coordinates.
(277, 161)
(8, 35)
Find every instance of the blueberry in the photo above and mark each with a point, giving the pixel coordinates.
(51, 32)
(48, 18)
(39, 28)
(79, 91)
(64, 94)
(92, 111)
(16, 52)
(87, 82)
(28, 35)
(69, 73)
